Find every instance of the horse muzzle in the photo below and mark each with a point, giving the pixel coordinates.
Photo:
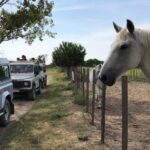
(108, 77)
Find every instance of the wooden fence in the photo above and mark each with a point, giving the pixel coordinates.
(80, 77)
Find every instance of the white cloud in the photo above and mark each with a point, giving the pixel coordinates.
(144, 26)
(16, 48)
(97, 44)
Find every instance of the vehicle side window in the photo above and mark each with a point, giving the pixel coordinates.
(4, 73)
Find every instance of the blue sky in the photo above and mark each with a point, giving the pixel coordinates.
(86, 22)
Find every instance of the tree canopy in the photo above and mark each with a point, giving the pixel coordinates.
(30, 19)
(68, 54)
(92, 62)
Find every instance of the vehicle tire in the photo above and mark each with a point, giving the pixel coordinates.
(40, 87)
(5, 118)
(32, 93)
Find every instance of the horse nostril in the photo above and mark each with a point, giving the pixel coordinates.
(103, 78)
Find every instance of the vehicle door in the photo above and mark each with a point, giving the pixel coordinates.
(6, 86)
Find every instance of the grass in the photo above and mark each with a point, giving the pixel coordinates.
(135, 75)
(79, 98)
(83, 138)
(53, 123)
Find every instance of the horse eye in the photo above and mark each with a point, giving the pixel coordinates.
(123, 46)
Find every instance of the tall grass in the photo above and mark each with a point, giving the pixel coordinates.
(135, 75)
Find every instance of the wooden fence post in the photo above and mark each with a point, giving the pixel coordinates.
(75, 80)
(80, 77)
(93, 99)
(83, 81)
(103, 114)
(124, 113)
(87, 91)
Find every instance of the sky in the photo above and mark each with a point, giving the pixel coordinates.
(87, 22)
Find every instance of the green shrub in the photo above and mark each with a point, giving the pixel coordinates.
(83, 137)
(79, 98)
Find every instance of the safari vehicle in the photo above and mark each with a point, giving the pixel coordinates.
(43, 75)
(6, 93)
(26, 77)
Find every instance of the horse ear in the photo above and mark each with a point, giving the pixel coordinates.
(117, 28)
(130, 26)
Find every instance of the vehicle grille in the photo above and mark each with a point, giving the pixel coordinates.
(19, 84)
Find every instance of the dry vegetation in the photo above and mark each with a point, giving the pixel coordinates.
(139, 116)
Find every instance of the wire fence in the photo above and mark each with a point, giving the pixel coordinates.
(95, 97)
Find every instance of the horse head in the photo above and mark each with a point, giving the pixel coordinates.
(126, 53)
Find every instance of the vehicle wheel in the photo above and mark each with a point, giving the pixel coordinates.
(40, 87)
(32, 93)
(5, 118)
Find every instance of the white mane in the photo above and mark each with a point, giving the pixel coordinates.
(143, 36)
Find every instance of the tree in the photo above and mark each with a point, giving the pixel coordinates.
(68, 55)
(40, 59)
(92, 62)
(30, 19)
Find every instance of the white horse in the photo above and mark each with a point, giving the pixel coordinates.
(97, 80)
(131, 49)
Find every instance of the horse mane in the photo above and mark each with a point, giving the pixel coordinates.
(143, 37)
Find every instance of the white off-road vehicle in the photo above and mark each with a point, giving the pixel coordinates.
(26, 77)
(6, 92)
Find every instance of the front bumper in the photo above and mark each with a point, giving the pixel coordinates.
(15, 90)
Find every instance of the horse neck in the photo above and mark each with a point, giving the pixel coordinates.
(144, 38)
(145, 65)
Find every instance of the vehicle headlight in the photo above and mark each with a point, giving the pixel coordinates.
(26, 84)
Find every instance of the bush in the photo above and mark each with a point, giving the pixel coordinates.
(83, 137)
(93, 62)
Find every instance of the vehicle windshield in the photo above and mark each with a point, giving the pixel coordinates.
(21, 68)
